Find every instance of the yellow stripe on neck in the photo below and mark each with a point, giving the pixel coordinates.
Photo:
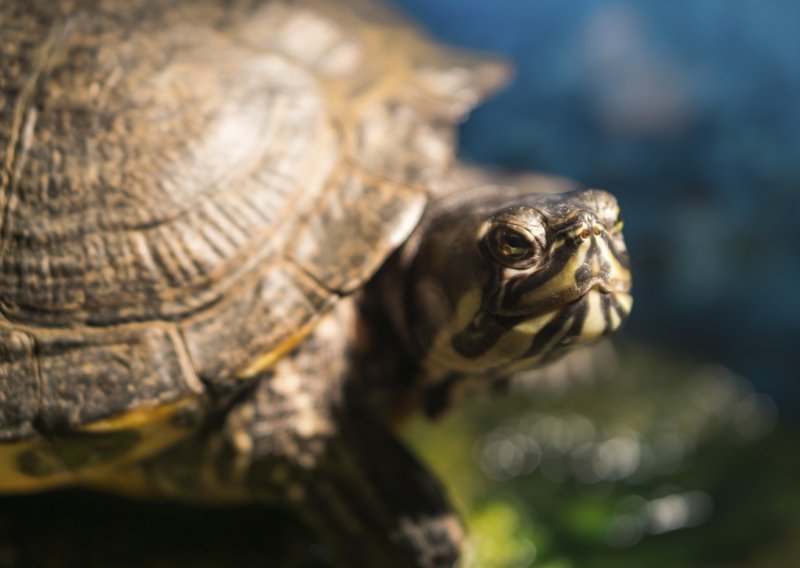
(443, 359)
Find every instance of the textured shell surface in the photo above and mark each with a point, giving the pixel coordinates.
(186, 186)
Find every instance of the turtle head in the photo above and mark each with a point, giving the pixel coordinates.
(502, 280)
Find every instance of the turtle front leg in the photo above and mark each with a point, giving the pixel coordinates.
(295, 438)
(341, 471)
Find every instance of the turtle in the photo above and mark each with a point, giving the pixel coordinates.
(231, 261)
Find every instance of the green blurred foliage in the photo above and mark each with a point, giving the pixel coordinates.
(665, 463)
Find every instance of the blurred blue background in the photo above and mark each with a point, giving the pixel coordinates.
(690, 112)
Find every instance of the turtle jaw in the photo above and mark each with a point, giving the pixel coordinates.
(583, 295)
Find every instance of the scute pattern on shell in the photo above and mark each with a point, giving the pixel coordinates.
(142, 181)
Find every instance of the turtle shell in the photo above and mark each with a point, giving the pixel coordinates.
(185, 188)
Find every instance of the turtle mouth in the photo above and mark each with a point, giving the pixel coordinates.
(610, 293)
(617, 288)
(602, 284)
(603, 287)
(614, 287)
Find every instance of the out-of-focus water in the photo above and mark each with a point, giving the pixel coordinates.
(689, 112)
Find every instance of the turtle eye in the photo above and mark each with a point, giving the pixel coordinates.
(512, 247)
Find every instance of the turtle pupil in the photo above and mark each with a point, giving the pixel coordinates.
(514, 243)
(512, 246)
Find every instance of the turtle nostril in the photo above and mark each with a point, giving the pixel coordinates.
(590, 229)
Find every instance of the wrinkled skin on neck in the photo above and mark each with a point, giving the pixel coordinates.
(497, 280)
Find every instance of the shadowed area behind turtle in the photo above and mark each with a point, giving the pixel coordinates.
(84, 529)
